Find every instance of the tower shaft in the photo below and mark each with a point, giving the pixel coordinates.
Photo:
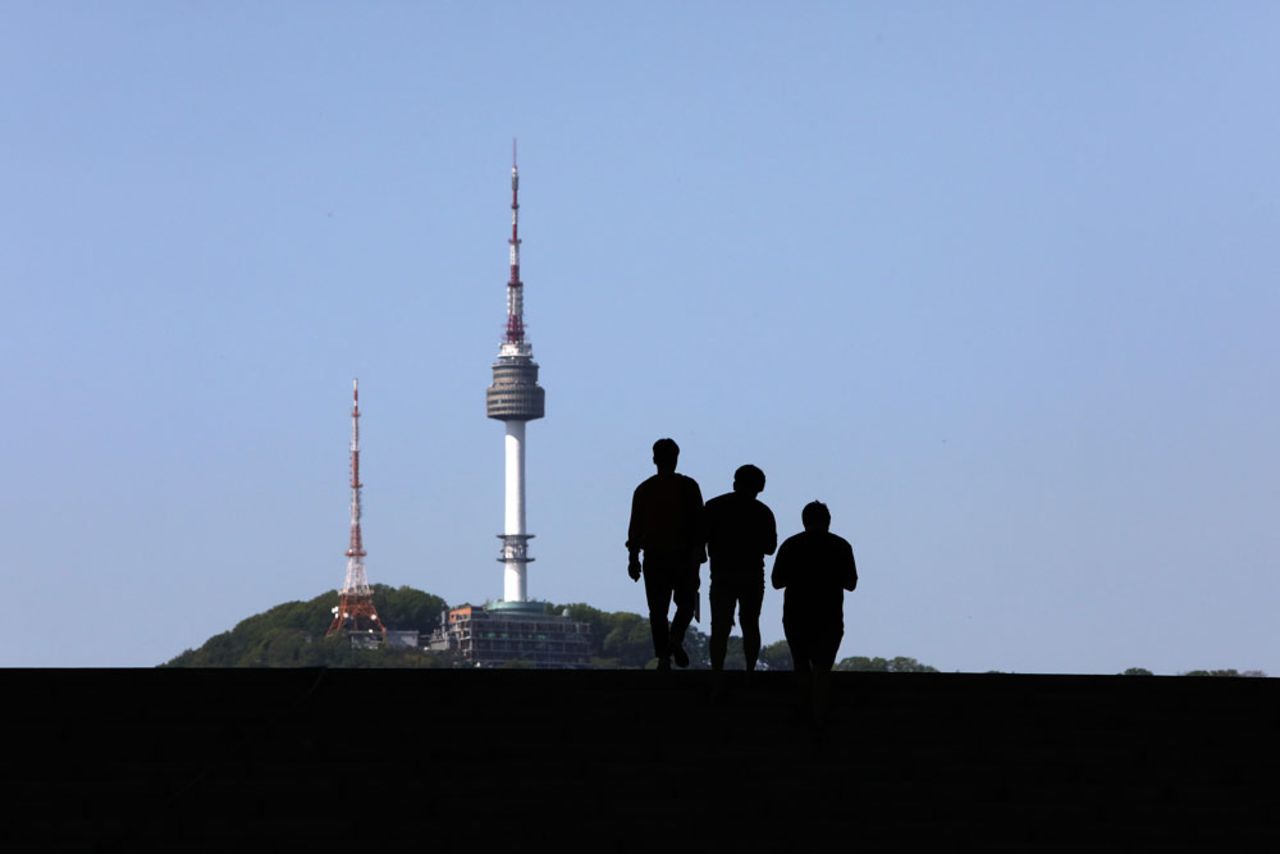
(356, 581)
(515, 538)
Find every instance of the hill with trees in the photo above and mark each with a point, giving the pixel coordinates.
(292, 635)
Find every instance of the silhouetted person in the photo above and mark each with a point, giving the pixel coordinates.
(815, 567)
(740, 531)
(666, 524)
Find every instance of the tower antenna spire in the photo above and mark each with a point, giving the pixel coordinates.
(355, 612)
(515, 288)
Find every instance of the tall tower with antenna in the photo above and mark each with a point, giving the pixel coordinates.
(515, 398)
(355, 612)
(514, 628)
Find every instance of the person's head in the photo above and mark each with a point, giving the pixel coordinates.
(748, 479)
(665, 454)
(816, 517)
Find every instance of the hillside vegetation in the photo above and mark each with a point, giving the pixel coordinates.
(292, 635)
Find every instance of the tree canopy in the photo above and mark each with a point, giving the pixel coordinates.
(899, 664)
(292, 635)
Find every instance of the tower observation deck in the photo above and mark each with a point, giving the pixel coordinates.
(515, 398)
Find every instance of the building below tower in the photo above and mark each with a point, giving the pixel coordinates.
(502, 634)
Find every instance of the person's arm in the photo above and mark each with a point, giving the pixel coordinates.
(634, 537)
(699, 522)
(771, 532)
(781, 568)
(849, 569)
(711, 526)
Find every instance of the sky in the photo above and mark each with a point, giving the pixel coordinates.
(997, 282)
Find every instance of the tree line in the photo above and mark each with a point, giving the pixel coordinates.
(292, 635)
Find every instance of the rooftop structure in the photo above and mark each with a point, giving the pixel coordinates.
(502, 634)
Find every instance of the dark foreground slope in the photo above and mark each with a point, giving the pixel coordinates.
(614, 760)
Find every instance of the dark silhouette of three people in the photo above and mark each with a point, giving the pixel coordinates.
(676, 534)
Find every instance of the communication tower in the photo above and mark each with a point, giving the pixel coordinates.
(354, 612)
(515, 398)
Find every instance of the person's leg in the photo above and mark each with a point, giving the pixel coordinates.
(751, 596)
(800, 663)
(657, 590)
(825, 648)
(685, 593)
(824, 656)
(722, 602)
(799, 645)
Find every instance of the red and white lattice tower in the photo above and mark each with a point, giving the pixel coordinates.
(355, 611)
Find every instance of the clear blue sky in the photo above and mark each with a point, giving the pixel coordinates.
(998, 282)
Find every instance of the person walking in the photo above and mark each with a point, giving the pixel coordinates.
(740, 531)
(666, 525)
(814, 567)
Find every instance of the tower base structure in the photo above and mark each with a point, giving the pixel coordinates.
(514, 634)
(515, 560)
(355, 615)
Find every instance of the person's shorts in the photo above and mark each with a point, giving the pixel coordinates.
(677, 574)
(743, 591)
